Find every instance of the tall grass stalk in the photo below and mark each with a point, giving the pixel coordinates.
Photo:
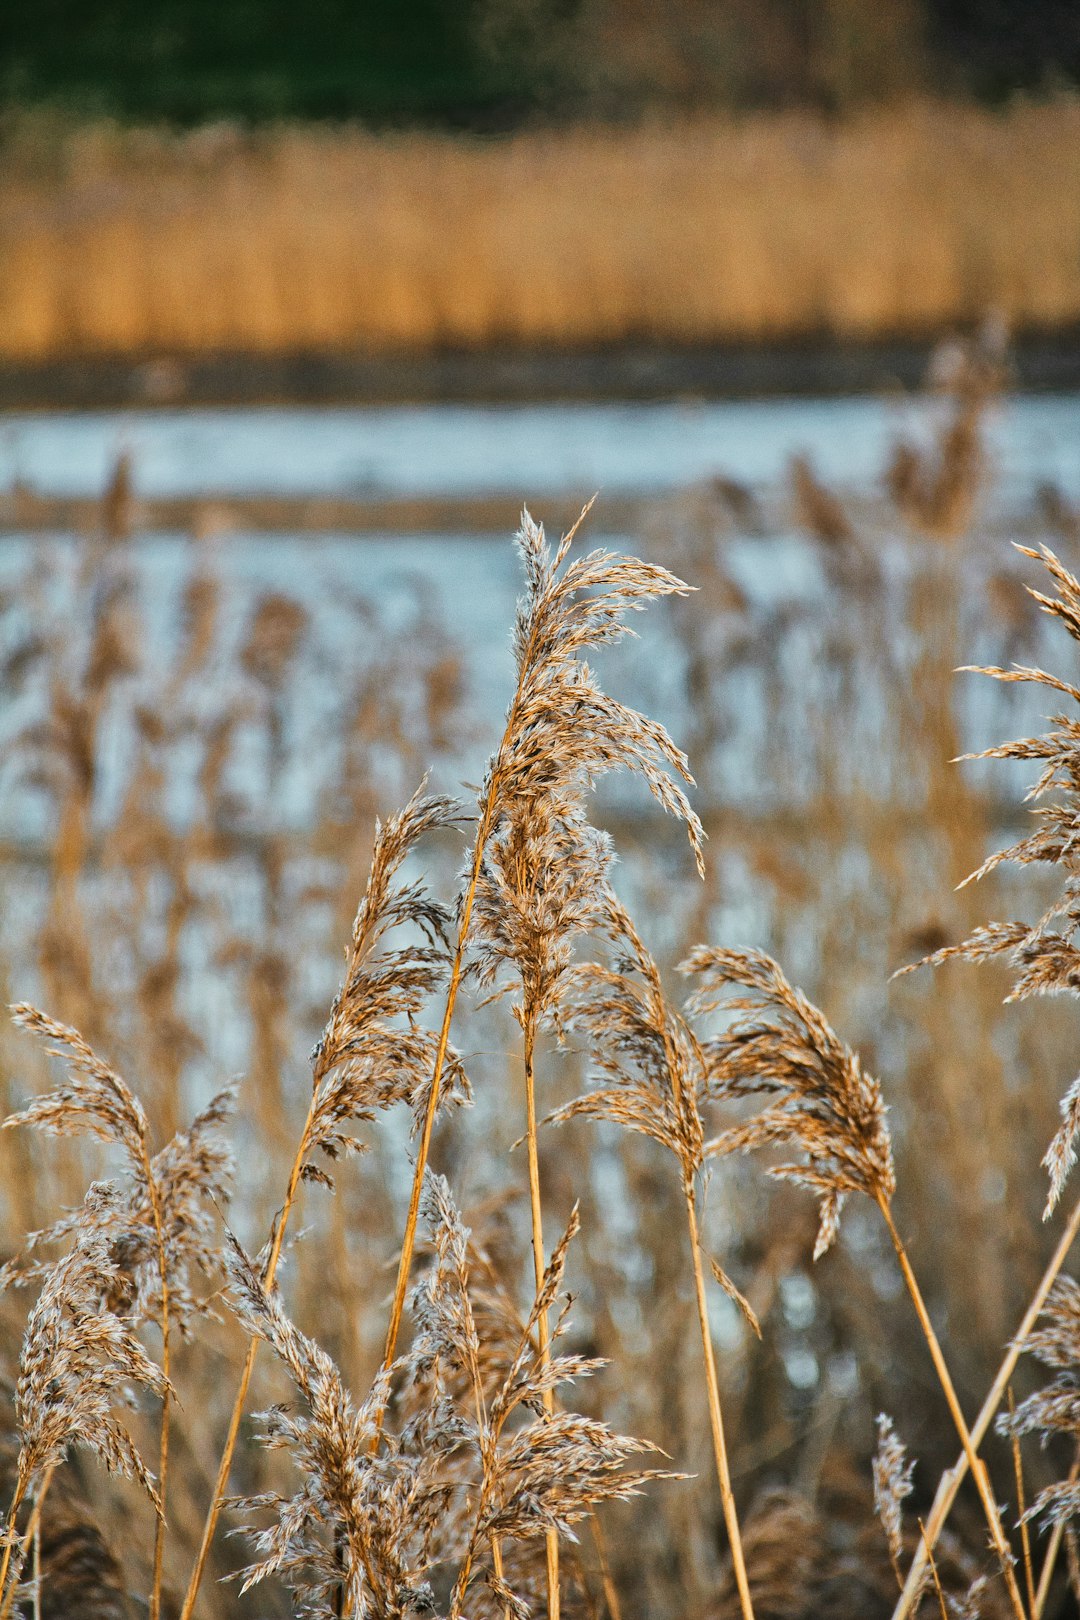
(363, 1062)
(974, 1462)
(953, 1478)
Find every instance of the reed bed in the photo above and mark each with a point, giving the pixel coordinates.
(348, 1241)
(897, 221)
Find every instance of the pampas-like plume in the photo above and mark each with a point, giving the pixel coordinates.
(370, 1513)
(820, 1100)
(652, 1076)
(892, 1483)
(1044, 953)
(531, 1478)
(358, 1511)
(167, 1228)
(78, 1359)
(537, 873)
(372, 1053)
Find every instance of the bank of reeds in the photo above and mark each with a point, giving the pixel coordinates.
(430, 1445)
(134, 242)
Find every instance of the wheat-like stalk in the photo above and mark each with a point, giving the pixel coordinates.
(373, 1507)
(537, 868)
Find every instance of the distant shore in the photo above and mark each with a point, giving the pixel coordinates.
(720, 256)
(1038, 362)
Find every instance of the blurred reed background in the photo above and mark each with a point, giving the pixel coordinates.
(893, 222)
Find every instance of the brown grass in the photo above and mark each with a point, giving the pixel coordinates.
(895, 221)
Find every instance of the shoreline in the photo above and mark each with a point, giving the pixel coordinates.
(1040, 362)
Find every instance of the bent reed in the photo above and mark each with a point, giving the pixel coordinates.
(451, 1483)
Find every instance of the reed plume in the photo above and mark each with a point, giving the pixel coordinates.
(373, 1052)
(893, 1483)
(1055, 1408)
(651, 1076)
(370, 1515)
(78, 1359)
(538, 869)
(817, 1098)
(533, 1475)
(1044, 954)
(168, 1228)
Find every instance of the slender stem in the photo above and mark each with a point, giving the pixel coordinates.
(611, 1596)
(33, 1524)
(37, 1568)
(408, 1242)
(954, 1477)
(497, 1563)
(9, 1539)
(487, 817)
(933, 1572)
(163, 1452)
(1053, 1547)
(222, 1481)
(723, 1472)
(975, 1463)
(1021, 1509)
(543, 1333)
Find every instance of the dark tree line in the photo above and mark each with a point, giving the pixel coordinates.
(495, 63)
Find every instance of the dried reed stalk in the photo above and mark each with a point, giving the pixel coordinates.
(537, 868)
(1044, 953)
(1021, 1505)
(77, 1357)
(954, 1477)
(820, 1100)
(650, 1072)
(370, 1517)
(363, 1063)
(164, 1209)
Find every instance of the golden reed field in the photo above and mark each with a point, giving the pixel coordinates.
(803, 1233)
(900, 221)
